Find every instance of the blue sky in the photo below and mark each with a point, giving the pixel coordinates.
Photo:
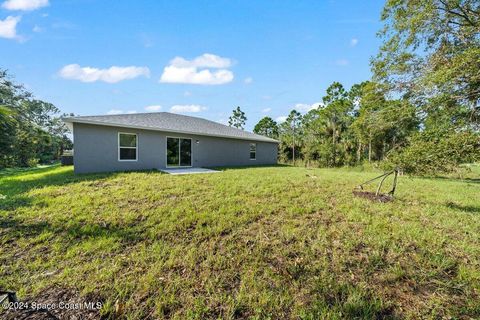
(201, 58)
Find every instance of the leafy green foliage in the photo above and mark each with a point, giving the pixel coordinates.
(433, 151)
(381, 125)
(7, 126)
(267, 127)
(291, 133)
(29, 130)
(335, 118)
(431, 54)
(421, 111)
(349, 127)
(237, 119)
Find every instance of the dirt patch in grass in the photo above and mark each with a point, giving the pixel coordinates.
(372, 196)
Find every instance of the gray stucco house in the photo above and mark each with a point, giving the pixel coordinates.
(163, 140)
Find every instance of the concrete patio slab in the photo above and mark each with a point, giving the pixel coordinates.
(175, 171)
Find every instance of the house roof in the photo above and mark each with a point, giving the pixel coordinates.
(169, 122)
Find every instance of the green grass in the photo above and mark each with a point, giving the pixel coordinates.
(259, 243)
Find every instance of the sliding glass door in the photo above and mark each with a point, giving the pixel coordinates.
(179, 152)
(173, 152)
(185, 152)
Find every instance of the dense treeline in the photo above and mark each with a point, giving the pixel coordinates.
(362, 124)
(430, 62)
(30, 130)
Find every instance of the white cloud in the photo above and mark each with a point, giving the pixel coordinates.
(248, 80)
(281, 119)
(172, 74)
(196, 71)
(131, 111)
(187, 93)
(266, 110)
(8, 27)
(206, 60)
(153, 108)
(187, 108)
(110, 75)
(115, 111)
(353, 42)
(303, 107)
(24, 5)
(342, 62)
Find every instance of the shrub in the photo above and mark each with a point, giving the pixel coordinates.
(32, 162)
(433, 151)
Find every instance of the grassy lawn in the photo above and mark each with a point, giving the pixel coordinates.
(266, 242)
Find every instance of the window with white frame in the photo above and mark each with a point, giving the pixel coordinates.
(253, 151)
(127, 147)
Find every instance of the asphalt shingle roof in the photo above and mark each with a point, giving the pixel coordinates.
(170, 122)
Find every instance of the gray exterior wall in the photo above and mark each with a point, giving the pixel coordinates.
(96, 150)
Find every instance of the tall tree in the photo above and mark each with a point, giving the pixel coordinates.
(368, 100)
(312, 137)
(291, 133)
(336, 116)
(267, 127)
(431, 55)
(237, 119)
(327, 138)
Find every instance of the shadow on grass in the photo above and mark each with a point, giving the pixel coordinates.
(471, 209)
(9, 172)
(13, 228)
(452, 179)
(14, 185)
(471, 180)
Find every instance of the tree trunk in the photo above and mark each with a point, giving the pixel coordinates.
(359, 153)
(293, 153)
(369, 150)
(334, 141)
(383, 149)
(293, 147)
